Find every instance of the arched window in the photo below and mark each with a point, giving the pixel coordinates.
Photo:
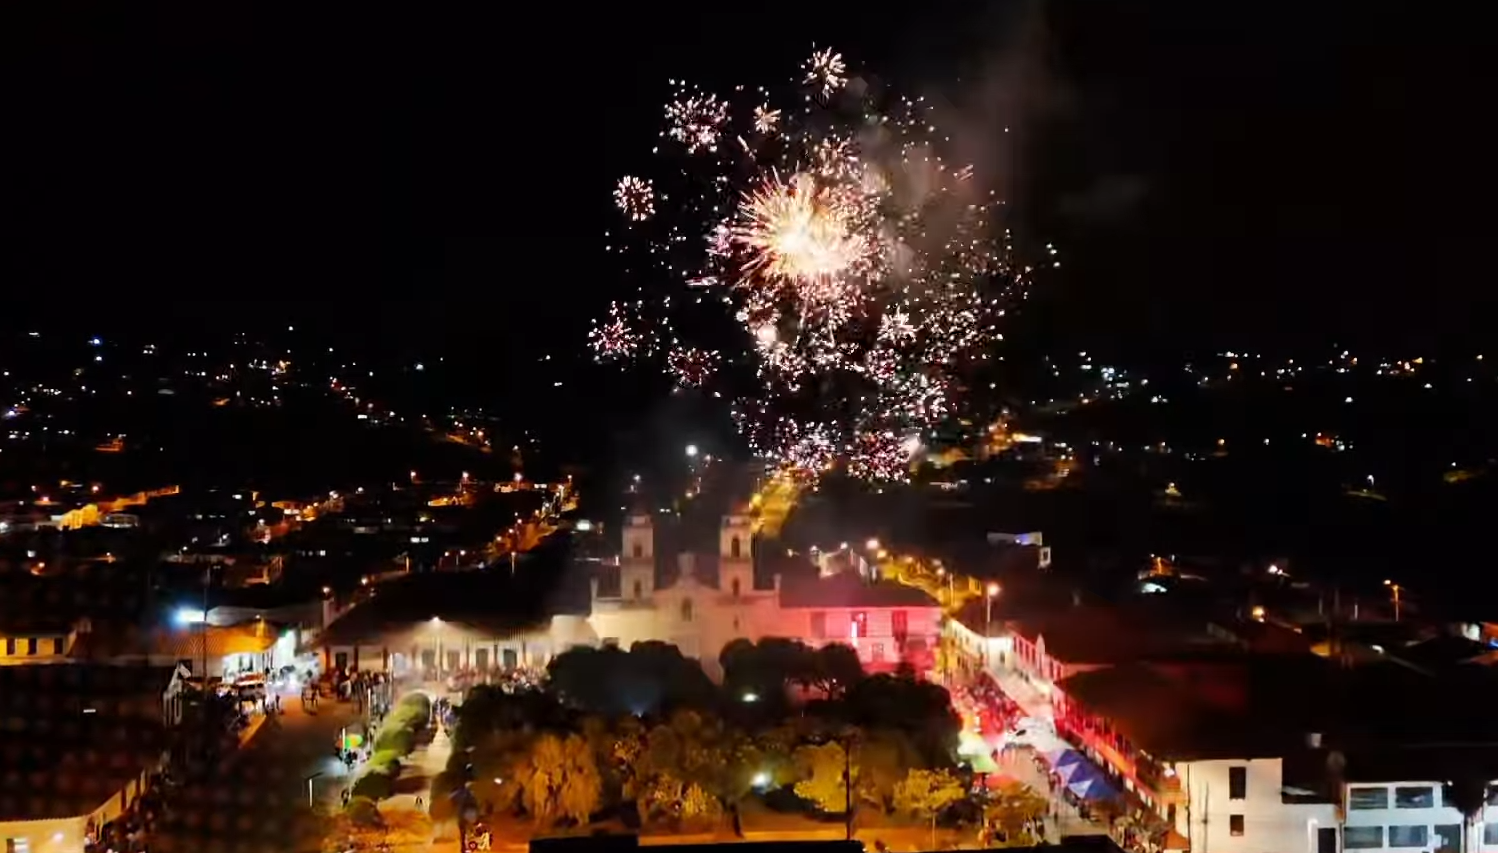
(734, 549)
(735, 584)
(638, 550)
(686, 610)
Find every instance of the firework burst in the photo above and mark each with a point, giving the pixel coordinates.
(613, 338)
(690, 366)
(825, 72)
(635, 198)
(863, 273)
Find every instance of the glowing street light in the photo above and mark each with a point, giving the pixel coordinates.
(992, 592)
(872, 544)
(691, 451)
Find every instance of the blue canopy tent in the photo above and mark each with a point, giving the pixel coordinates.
(1093, 788)
(1063, 758)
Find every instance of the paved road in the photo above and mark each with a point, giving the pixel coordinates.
(258, 802)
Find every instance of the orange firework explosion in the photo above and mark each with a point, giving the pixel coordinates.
(797, 232)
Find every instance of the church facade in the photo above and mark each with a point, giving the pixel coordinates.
(700, 610)
(705, 602)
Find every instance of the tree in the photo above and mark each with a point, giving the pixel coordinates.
(881, 760)
(921, 711)
(926, 793)
(822, 768)
(833, 669)
(557, 781)
(1013, 810)
(588, 678)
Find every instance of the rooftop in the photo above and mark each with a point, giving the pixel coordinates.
(186, 643)
(1242, 705)
(476, 600)
(74, 735)
(1098, 634)
(848, 589)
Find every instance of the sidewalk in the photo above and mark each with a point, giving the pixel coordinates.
(1026, 695)
(415, 785)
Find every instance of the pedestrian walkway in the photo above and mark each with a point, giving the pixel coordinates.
(413, 799)
(1064, 818)
(1026, 695)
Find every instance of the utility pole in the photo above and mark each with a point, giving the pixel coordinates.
(207, 579)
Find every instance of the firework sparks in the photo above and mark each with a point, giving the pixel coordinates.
(883, 456)
(825, 72)
(696, 121)
(766, 120)
(635, 198)
(613, 339)
(896, 328)
(864, 270)
(690, 366)
(798, 232)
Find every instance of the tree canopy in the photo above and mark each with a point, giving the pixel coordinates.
(645, 735)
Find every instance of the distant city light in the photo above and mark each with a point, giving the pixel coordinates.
(691, 450)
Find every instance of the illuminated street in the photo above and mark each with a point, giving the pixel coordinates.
(257, 803)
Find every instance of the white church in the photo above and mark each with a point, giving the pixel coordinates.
(709, 601)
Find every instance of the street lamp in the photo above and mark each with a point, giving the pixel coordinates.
(311, 803)
(1394, 590)
(691, 451)
(991, 593)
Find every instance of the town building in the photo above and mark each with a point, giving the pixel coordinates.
(1204, 744)
(703, 610)
(80, 745)
(707, 602)
(214, 651)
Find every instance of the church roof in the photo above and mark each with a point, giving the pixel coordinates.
(847, 589)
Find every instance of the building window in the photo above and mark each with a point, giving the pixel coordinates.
(1414, 797)
(1363, 799)
(1235, 825)
(860, 626)
(637, 550)
(1362, 837)
(819, 625)
(735, 550)
(30, 645)
(1490, 834)
(17, 845)
(10, 645)
(57, 646)
(1493, 796)
(638, 590)
(686, 610)
(735, 584)
(877, 652)
(1237, 783)
(899, 623)
(1449, 837)
(1414, 835)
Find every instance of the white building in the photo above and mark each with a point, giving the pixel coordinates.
(697, 613)
(1245, 806)
(1193, 743)
(711, 601)
(700, 611)
(1410, 815)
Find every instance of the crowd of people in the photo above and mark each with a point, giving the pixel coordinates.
(129, 833)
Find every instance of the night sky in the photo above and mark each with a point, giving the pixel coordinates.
(1215, 175)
